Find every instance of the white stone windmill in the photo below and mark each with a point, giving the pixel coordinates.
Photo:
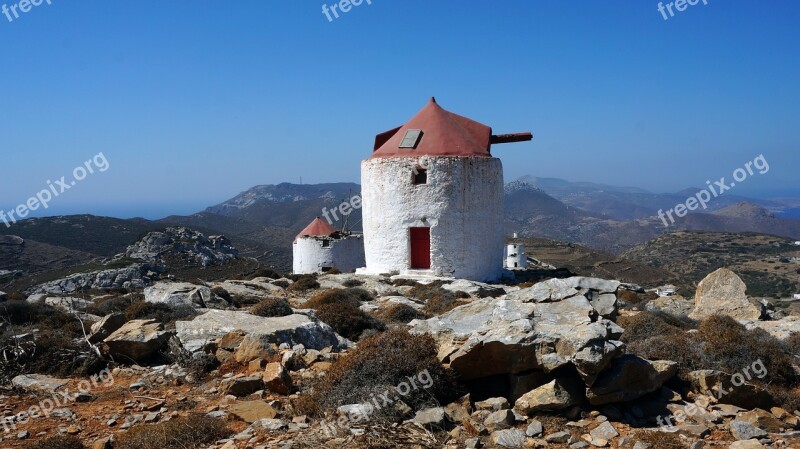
(433, 198)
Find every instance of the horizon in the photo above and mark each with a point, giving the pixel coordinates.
(192, 106)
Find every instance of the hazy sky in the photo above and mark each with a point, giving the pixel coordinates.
(192, 102)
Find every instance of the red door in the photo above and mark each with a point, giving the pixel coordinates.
(420, 248)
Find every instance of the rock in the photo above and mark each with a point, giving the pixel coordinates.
(780, 329)
(744, 430)
(493, 404)
(183, 294)
(748, 444)
(672, 305)
(630, 377)
(106, 326)
(254, 347)
(509, 438)
(277, 379)
(67, 304)
(723, 292)
(558, 437)
(191, 245)
(559, 394)
(545, 291)
(489, 337)
(596, 284)
(605, 432)
(763, 420)
(501, 419)
(38, 383)
(475, 289)
(694, 430)
(430, 417)
(250, 291)
(721, 386)
(135, 275)
(534, 429)
(252, 411)
(242, 386)
(136, 340)
(270, 425)
(356, 412)
(292, 329)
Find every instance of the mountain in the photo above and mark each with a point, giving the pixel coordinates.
(628, 203)
(766, 263)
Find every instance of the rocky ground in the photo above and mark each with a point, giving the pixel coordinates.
(342, 360)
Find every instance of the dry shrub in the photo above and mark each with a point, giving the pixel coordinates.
(648, 324)
(333, 296)
(162, 313)
(282, 283)
(378, 364)
(193, 431)
(793, 343)
(353, 283)
(272, 307)
(303, 283)
(264, 273)
(660, 440)
(399, 313)
(437, 299)
(406, 283)
(57, 442)
(224, 294)
(733, 348)
(116, 304)
(347, 320)
(360, 294)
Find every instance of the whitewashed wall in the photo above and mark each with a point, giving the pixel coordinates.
(345, 254)
(462, 203)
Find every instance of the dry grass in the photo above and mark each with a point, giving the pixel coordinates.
(194, 431)
(399, 313)
(58, 442)
(347, 320)
(378, 364)
(660, 440)
(272, 307)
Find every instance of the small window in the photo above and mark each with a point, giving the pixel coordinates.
(326, 243)
(420, 176)
(326, 269)
(411, 139)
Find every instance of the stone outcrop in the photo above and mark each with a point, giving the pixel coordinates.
(723, 293)
(134, 276)
(292, 330)
(191, 245)
(601, 293)
(489, 337)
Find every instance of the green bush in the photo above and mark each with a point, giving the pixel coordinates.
(272, 307)
(347, 320)
(194, 431)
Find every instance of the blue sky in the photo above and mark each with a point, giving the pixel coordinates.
(193, 102)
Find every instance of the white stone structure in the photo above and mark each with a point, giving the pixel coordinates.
(433, 199)
(320, 248)
(516, 259)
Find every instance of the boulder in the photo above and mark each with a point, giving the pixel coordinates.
(430, 417)
(255, 346)
(176, 294)
(490, 337)
(728, 389)
(106, 326)
(277, 379)
(630, 377)
(250, 291)
(743, 430)
(509, 438)
(557, 395)
(501, 419)
(545, 291)
(252, 411)
(136, 340)
(723, 292)
(67, 304)
(242, 386)
(292, 330)
(38, 383)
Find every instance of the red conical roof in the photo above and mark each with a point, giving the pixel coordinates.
(443, 134)
(317, 228)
